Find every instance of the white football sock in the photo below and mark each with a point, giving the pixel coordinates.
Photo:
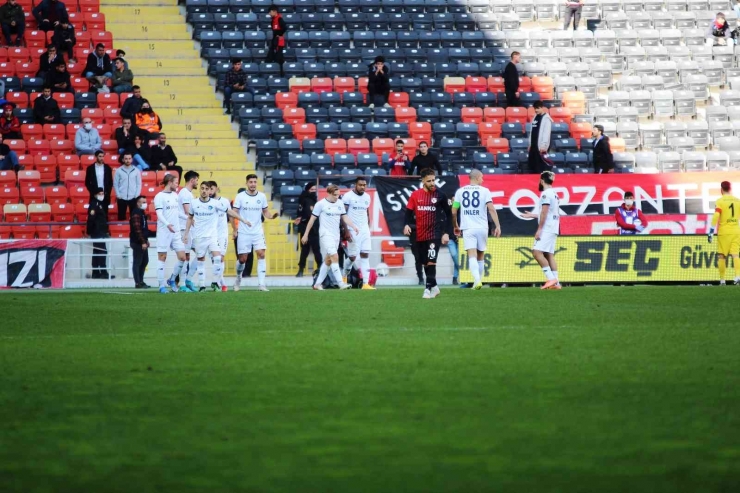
(239, 269)
(548, 273)
(473, 265)
(482, 268)
(218, 270)
(337, 273)
(201, 269)
(555, 274)
(365, 268)
(160, 273)
(192, 269)
(347, 267)
(261, 270)
(178, 269)
(322, 274)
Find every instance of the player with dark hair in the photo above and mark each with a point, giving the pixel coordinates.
(430, 208)
(727, 209)
(357, 203)
(548, 214)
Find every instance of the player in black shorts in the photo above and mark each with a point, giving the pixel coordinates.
(431, 208)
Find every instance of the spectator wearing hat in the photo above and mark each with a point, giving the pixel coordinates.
(8, 158)
(602, 153)
(139, 241)
(46, 109)
(277, 44)
(99, 175)
(719, 32)
(10, 126)
(511, 80)
(13, 21)
(97, 228)
(539, 140)
(49, 14)
(236, 81)
(64, 39)
(87, 139)
(378, 83)
(59, 79)
(122, 78)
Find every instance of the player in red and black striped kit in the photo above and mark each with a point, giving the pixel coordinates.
(431, 209)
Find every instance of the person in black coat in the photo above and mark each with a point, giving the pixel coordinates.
(378, 82)
(511, 80)
(46, 109)
(163, 157)
(49, 14)
(49, 60)
(64, 39)
(97, 228)
(139, 241)
(425, 159)
(602, 153)
(59, 79)
(306, 203)
(277, 44)
(97, 172)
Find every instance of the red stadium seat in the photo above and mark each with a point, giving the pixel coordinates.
(495, 145)
(75, 69)
(73, 177)
(515, 114)
(18, 54)
(321, 84)
(487, 130)
(47, 232)
(405, 114)
(68, 162)
(148, 178)
(72, 128)
(24, 232)
(29, 178)
(391, 254)
(5, 232)
(108, 100)
(47, 168)
(9, 195)
(119, 230)
(109, 145)
(62, 212)
(62, 146)
(561, 115)
(8, 178)
(475, 84)
(3, 54)
(335, 146)
(101, 37)
(104, 130)
(39, 213)
(35, 39)
(20, 99)
(83, 39)
(304, 131)
(112, 159)
(86, 161)
(299, 85)
(398, 99)
(421, 131)
(26, 69)
(285, 100)
(54, 131)
(150, 192)
(495, 84)
(32, 194)
(383, 145)
(113, 209)
(358, 146)
(454, 85)
(525, 84)
(71, 232)
(81, 212)
(362, 85)
(32, 131)
(294, 116)
(16, 145)
(39, 147)
(94, 20)
(56, 195)
(7, 69)
(77, 19)
(472, 115)
(161, 174)
(112, 117)
(79, 84)
(15, 213)
(26, 161)
(580, 130)
(410, 146)
(344, 84)
(95, 114)
(543, 86)
(65, 100)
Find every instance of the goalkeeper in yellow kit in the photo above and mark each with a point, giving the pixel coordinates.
(726, 214)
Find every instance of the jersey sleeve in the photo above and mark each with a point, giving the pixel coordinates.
(411, 205)
(185, 198)
(716, 215)
(237, 204)
(158, 206)
(318, 208)
(487, 197)
(263, 197)
(545, 199)
(343, 205)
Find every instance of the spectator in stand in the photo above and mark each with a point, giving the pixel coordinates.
(277, 44)
(539, 140)
(236, 81)
(511, 80)
(122, 77)
(49, 14)
(425, 159)
(10, 126)
(719, 32)
(125, 135)
(99, 175)
(8, 158)
(64, 39)
(122, 55)
(87, 139)
(140, 152)
(399, 162)
(48, 61)
(139, 241)
(629, 218)
(306, 203)
(148, 121)
(132, 105)
(13, 21)
(573, 10)
(98, 68)
(59, 79)
(602, 155)
(97, 228)
(46, 109)
(378, 83)
(163, 157)
(127, 184)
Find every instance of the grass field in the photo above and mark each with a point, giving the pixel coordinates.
(583, 390)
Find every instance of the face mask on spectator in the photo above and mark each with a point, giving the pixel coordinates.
(146, 110)
(143, 206)
(100, 197)
(629, 202)
(88, 126)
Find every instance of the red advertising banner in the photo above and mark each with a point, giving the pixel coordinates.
(658, 224)
(32, 264)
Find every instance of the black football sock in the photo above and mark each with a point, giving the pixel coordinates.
(431, 273)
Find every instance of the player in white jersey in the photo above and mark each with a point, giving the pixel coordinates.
(329, 211)
(357, 203)
(204, 214)
(223, 222)
(547, 230)
(475, 205)
(185, 198)
(252, 206)
(168, 228)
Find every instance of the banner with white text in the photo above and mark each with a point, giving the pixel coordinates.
(32, 264)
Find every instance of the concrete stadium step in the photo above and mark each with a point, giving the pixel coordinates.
(172, 82)
(203, 133)
(173, 72)
(183, 101)
(192, 115)
(207, 150)
(155, 33)
(209, 142)
(130, 20)
(139, 13)
(205, 162)
(147, 3)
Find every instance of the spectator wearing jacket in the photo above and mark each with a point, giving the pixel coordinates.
(147, 121)
(97, 228)
(49, 14)
(125, 135)
(425, 159)
(64, 39)
(59, 79)
(140, 152)
(236, 81)
(122, 55)
(629, 218)
(378, 83)
(602, 153)
(87, 139)
(277, 44)
(306, 203)
(98, 68)
(399, 162)
(132, 105)
(122, 78)
(719, 32)
(511, 80)
(10, 126)
(539, 139)
(46, 109)
(99, 175)
(8, 159)
(13, 21)
(127, 184)
(48, 61)
(163, 157)
(139, 241)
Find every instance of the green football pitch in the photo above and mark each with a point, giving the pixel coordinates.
(633, 389)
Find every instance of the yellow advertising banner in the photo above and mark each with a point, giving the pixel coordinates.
(593, 259)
